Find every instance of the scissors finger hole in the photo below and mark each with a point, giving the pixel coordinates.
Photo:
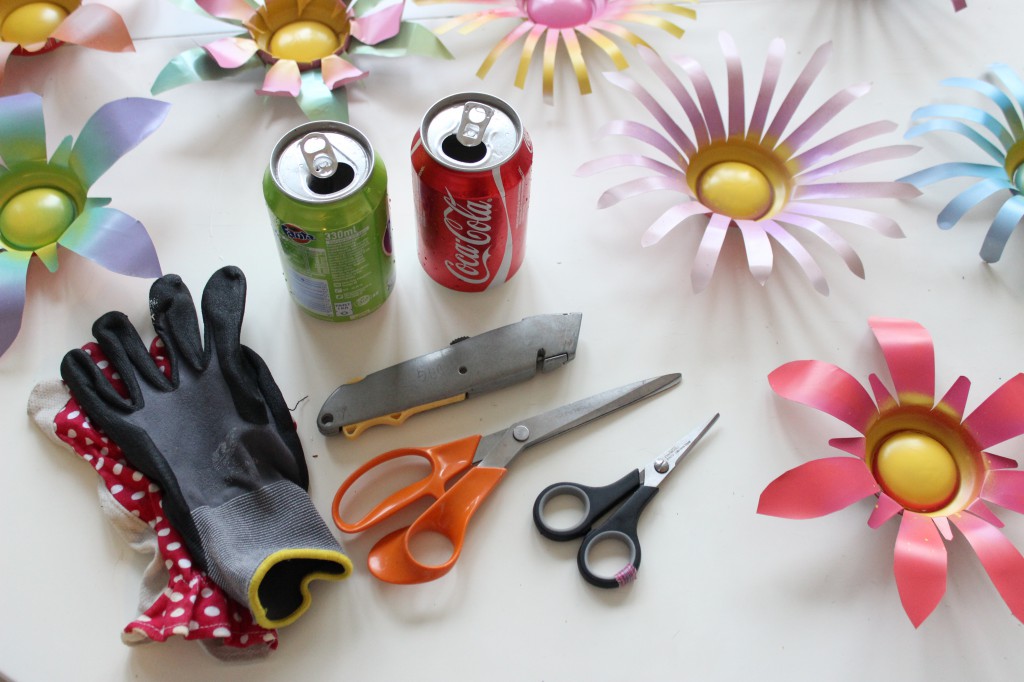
(563, 508)
(380, 482)
(610, 556)
(431, 548)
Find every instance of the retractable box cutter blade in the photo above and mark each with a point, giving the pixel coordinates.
(470, 365)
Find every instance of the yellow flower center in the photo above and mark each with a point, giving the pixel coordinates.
(304, 41)
(32, 23)
(736, 189)
(36, 217)
(740, 179)
(917, 471)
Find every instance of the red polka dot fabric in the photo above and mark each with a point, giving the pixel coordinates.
(191, 605)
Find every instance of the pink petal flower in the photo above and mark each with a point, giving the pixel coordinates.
(97, 27)
(855, 446)
(1002, 561)
(817, 488)
(909, 353)
(826, 388)
(230, 53)
(338, 72)
(378, 26)
(885, 509)
(283, 78)
(920, 566)
(1001, 416)
(238, 10)
(956, 397)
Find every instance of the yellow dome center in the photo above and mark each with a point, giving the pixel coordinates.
(32, 24)
(917, 471)
(736, 189)
(36, 217)
(304, 41)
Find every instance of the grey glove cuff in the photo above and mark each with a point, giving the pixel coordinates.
(266, 546)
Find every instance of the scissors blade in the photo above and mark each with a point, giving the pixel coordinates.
(499, 449)
(656, 471)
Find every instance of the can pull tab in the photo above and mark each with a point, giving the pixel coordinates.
(319, 155)
(475, 117)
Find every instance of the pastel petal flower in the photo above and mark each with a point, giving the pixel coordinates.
(115, 129)
(920, 566)
(751, 175)
(925, 462)
(238, 10)
(13, 269)
(95, 26)
(283, 78)
(46, 202)
(232, 52)
(338, 72)
(24, 138)
(378, 26)
(304, 45)
(115, 240)
(817, 488)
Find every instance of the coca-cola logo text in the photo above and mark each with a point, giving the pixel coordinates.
(470, 224)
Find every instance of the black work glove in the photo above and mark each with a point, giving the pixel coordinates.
(219, 440)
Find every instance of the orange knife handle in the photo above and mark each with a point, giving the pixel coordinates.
(446, 461)
(391, 559)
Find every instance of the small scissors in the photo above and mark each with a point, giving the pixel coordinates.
(484, 461)
(633, 491)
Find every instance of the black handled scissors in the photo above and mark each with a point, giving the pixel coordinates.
(633, 491)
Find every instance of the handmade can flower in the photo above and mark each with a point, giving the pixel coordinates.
(1004, 144)
(565, 22)
(749, 173)
(922, 459)
(303, 45)
(44, 203)
(29, 27)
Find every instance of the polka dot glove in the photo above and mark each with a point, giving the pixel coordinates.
(218, 439)
(176, 598)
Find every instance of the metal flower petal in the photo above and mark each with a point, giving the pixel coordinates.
(30, 28)
(754, 174)
(44, 203)
(923, 459)
(565, 22)
(1002, 141)
(301, 43)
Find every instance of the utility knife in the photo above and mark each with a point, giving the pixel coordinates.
(470, 365)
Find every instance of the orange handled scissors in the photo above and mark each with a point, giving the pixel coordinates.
(482, 462)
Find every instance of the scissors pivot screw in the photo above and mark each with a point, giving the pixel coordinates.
(521, 433)
(661, 465)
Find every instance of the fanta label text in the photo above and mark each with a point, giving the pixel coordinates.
(295, 234)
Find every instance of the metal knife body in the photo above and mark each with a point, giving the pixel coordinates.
(470, 365)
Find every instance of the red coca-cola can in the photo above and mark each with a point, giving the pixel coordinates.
(471, 161)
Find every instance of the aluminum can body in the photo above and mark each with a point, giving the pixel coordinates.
(333, 232)
(471, 199)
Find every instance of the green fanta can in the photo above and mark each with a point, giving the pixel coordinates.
(326, 190)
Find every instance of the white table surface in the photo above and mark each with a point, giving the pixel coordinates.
(723, 593)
